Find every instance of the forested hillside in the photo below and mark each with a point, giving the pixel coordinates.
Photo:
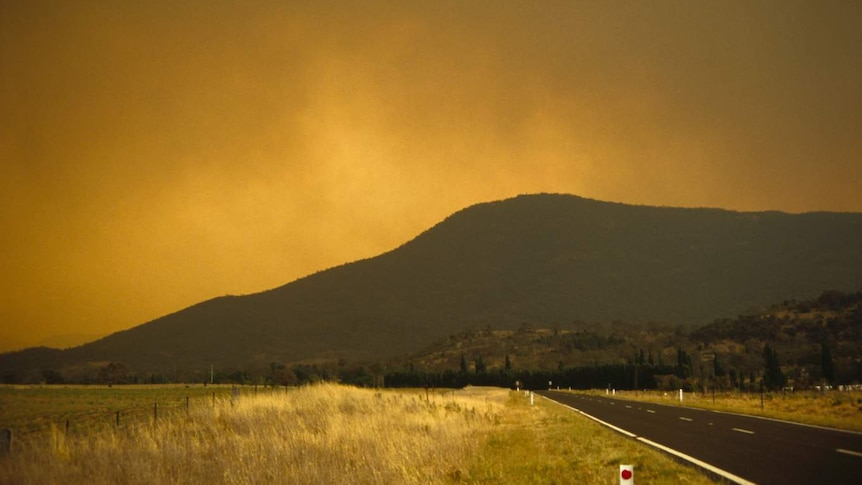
(798, 344)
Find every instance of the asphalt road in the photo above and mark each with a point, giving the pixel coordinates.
(757, 450)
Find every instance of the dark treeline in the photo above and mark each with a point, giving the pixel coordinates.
(617, 376)
(614, 376)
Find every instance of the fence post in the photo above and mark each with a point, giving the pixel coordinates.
(5, 441)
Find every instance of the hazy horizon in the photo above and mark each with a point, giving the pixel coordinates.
(154, 155)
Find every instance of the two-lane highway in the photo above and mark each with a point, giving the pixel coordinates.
(754, 449)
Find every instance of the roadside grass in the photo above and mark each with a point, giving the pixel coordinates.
(317, 434)
(550, 444)
(832, 409)
(324, 434)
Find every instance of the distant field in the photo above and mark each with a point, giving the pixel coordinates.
(34, 409)
(318, 434)
(834, 409)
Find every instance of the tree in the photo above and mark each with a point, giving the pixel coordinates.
(773, 378)
(113, 373)
(717, 369)
(827, 366)
(683, 364)
(508, 365)
(463, 364)
(480, 365)
(51, 376)
(281, 375)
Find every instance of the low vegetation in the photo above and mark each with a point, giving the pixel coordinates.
(338, 434)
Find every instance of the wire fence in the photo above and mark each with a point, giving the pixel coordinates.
(108, 412)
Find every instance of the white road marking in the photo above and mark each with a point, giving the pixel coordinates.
(849, 452)
(628, 407)
(718, 471)
(650, 411)
(743, 430)
(685, 419)
(609, 425)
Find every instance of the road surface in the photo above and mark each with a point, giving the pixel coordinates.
(748, 449)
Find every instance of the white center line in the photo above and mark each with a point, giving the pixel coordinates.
(685, 419)
(650, 411)
(849, 452)
(628, 407)
(743, 430)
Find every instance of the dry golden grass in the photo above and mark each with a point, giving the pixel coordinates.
(321, 434)
(834, 409)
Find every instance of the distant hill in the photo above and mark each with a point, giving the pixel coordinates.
(536, 259)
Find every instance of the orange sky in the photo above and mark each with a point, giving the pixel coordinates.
(156, 154)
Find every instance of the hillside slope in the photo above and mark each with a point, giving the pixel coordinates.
(797, 331)
(538, 258)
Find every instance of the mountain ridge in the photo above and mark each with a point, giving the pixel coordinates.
(533, 258)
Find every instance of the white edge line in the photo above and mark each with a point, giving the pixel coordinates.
(718, 471)
(609, 425)
(848, 452)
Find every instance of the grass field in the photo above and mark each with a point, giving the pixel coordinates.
(319, 434)
(833, 409)
(35, 409)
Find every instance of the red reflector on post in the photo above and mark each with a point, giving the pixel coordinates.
(627, 474)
